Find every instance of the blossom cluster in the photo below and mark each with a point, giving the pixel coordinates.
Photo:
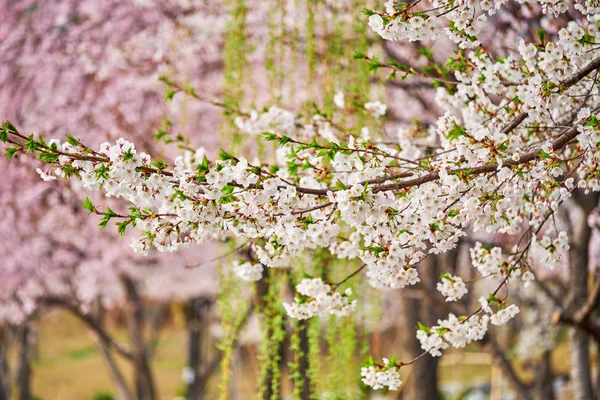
(248, 271)
(460, 20)
(318, 299)
(548, 252)
(460, 331)
(517, 136)
(379, 377)
(452, 287)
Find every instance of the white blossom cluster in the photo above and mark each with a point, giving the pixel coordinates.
(452, 287)
(548, 252)
(318, 300)
(460, 331)
(454, 331)
(376, 108)
(487, 261)
(504, 315)
(460, 20)
(491, 164)
(247, 271)
(378, 377)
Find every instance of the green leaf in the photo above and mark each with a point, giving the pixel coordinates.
(11, 151)
(160, 164)
(422, 327)
(452, 213)
(369, 362)
(225, 156)
(227, 189)
(426, 52)
(284, 140)
(392, 361)
(122, 226)
(540, 34)
(30, 145)
(48, 158)
(110, 213)
(456, 132)
(368, 12)
(374, 65)
(593, 122)
(87, 205)
(543, 155)
(72, 140)
(340, 185)
(169, 94)
(270, 137)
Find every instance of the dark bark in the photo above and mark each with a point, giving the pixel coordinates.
(422, 382)
(578, 293)
(303, 361)
(4, 369)
(196, 312)
(544, 377)
(144, 380)
(24, 362)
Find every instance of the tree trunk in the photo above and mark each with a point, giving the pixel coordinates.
(196, 311)
(24, 364)
(579, 343)
(303, 361)
(544, 377)
(422, 381)
(123, 391)
(144, 380)
(4, 369)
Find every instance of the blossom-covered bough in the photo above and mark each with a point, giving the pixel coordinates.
(520, 134)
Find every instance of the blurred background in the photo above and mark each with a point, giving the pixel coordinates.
(83, 317)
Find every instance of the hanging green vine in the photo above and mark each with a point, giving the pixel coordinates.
(232, 310)
(236, 67)
(273, 333)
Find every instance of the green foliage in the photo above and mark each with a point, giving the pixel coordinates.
(231, 308)
(107, 216)
(103, 396)
(273, 333)
(456, 132)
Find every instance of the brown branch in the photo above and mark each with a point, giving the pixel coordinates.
(557, 144)
(505, 365)
(573, 79)
(89, 321)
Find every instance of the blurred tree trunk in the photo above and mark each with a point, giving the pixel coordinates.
(303, 361)
(4, 369)
(144, 380)
(422, 381)
(579, 344)
(123, 392)
(196, 311)
(24, 362)
(544, 378)
(506, 367)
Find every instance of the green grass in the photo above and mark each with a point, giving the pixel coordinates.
(69, 365)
